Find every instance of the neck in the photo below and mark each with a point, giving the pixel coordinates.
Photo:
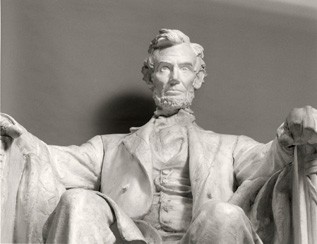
(167, 112)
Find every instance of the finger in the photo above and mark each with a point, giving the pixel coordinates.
(8, 117)
(3, 127)
(5, 142)
(294, 122)
(308, 124)
(284, 136)
(313, 139)
(310, 152)
(5, 122)
(13, 131)
(310, 149)
(310, 157)
(9, 127)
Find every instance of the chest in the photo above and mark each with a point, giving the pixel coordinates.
(129, 169)
(169, 145)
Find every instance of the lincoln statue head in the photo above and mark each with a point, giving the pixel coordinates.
(173, 70)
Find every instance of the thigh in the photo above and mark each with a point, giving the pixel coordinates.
(80, 214)
(220, 223)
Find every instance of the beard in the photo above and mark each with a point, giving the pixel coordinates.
(174, 102)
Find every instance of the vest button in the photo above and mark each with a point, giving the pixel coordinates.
(125, 188)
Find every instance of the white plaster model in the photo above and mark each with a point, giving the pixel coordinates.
(168, 181)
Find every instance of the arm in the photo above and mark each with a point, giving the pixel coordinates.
(73, 166)
(34, 175)
(253, 159)
(254, 162)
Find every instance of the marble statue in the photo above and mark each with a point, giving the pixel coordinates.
(168, 181)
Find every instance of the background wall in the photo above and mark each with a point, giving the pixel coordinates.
(71, 69)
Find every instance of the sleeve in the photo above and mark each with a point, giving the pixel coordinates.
(254, 160)
(73, 166)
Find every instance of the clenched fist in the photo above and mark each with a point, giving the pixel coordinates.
(300, 127)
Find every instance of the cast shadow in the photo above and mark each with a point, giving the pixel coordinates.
(123, 112)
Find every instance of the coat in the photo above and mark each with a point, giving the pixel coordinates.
(222, 167)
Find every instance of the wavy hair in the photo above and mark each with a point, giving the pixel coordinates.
(168, 38)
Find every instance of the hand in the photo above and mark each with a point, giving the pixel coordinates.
(310, 153)
(300, 127)
(10, 130)
(9, 127)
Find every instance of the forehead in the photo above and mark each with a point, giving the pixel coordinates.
(178, 53)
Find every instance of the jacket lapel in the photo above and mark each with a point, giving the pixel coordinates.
(138, 145)
(202, 153)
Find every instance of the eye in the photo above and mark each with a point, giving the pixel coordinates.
(164, 69)
(184, 68)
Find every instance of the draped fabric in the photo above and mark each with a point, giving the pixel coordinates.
(221, 167)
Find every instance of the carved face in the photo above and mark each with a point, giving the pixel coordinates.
(174, 77)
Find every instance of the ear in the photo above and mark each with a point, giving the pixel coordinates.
(150, 85)
(199, 80)
(149, 82)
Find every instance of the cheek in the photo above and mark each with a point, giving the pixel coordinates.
(159, 81)
(189, 81)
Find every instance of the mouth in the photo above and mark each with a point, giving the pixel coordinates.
(173, 92)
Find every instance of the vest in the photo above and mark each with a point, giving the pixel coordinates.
(171, 209)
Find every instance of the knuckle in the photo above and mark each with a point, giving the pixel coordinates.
(309, 129)
(295, 116)
(296, 122)
(296, 110)
(308, 107)
(295, 127)
(293, 112)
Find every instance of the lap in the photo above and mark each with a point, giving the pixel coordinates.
(220, 222)
(80, 214)
(214, 210)
(84, 199)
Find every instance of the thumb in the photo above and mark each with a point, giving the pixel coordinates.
(9, 127)
(13, 131)
(284, 136)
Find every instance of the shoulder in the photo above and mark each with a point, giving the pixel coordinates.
(211, 140)
(113, 140)
(239, 139)
(110, 141)
(237, 144)
(211, 135)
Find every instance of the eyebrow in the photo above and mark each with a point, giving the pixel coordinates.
(181, 64)
(187, 64)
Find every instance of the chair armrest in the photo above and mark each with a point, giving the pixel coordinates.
(304, 198)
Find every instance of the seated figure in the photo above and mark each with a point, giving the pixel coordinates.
(168, 181)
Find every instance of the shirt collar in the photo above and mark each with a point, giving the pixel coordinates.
(183, 117)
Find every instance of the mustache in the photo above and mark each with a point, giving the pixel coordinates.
(176, 89)
(174, 102)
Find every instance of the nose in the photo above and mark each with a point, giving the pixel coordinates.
(174, 78)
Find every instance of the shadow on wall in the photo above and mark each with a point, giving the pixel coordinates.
(123, 112)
